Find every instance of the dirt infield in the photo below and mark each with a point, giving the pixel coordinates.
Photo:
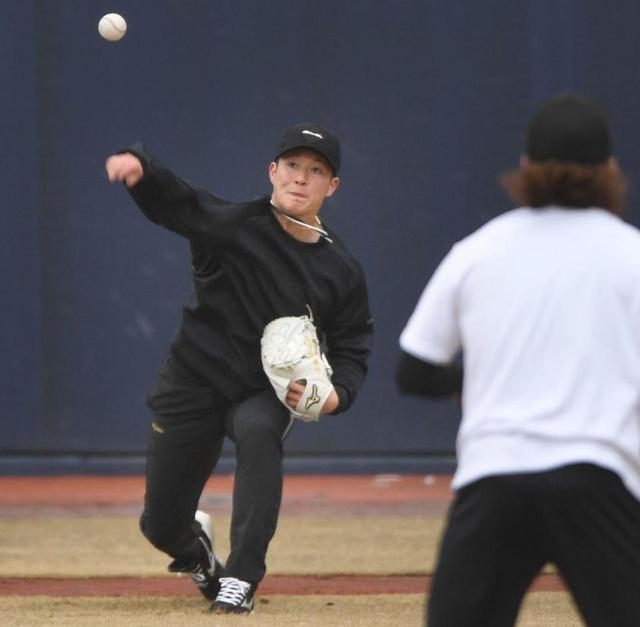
(302, 494)
(540, 609)
(274, 584)
(386, 496)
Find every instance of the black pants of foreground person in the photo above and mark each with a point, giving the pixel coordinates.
(185, 442)
(501, 530)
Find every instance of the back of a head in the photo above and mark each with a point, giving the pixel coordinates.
(569, 129)
(568, 158)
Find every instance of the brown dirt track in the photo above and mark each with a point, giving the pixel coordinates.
(380, 495)
(345, 498)
(272, 584)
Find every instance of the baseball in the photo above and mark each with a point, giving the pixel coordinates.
(112, 27)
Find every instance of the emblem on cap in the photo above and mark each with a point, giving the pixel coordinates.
(314, 137)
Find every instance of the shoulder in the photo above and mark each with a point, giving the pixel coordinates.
(344, 258)
(616, 224)
(480, 244)
(257, 208)
(239, 213)
(615, 235)
(497, 227)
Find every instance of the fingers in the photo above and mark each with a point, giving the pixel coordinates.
(115, 168)
(131, 179)
(296, 389)
(125, 167)
(110, 168)
(294, 393)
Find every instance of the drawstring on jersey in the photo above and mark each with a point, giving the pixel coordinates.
(317, 229)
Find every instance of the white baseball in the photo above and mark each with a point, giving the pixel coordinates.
(112, 27)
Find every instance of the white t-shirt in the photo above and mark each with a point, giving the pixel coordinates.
(545, 306)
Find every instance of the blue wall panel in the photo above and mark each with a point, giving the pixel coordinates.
(431, 99)
(20, 258)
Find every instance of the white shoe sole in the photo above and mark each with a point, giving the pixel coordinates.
(205, 520)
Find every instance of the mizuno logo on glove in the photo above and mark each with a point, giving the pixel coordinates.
(313, 397)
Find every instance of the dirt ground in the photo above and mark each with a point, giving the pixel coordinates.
(540, 609)
(347, 549)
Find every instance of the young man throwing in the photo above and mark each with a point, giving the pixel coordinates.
(252, 262)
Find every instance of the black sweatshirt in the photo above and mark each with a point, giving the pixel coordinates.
(247, 271)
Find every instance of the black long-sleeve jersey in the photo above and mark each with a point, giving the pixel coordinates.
(248, 271)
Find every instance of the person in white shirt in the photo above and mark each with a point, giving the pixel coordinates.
(535, 320)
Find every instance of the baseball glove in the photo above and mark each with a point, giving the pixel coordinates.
(291, 351)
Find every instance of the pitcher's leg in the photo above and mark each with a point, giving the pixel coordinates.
(185, 440)
(180, 459)
(256, 426)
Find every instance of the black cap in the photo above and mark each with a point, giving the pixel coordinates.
(569, 128)
(312, 137)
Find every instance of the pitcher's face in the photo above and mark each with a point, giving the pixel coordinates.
(301, 181)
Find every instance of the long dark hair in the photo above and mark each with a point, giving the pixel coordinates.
(539, 184)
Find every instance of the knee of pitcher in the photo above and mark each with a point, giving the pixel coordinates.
(161, 534)
(257, 431)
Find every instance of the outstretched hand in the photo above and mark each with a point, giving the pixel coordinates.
(124, 167)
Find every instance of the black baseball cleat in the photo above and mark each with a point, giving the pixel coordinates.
(235, 597)
(206, 573)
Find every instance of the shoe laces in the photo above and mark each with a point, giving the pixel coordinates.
(232, 590)
(200, 576)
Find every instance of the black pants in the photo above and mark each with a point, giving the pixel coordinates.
(185, 442)
(502, 529)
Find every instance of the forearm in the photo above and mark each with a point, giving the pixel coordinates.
(349, 361)
(414, 376)
(168, 200)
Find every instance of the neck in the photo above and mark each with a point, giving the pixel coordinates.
(300, 229)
